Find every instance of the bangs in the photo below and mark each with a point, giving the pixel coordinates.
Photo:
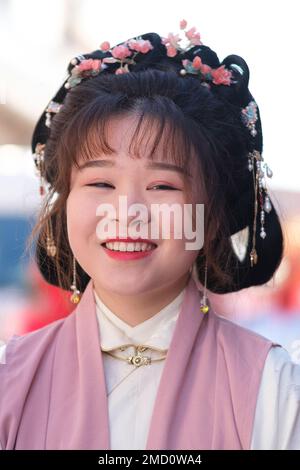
(160, 132)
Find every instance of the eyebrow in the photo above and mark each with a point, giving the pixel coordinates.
(150, 165)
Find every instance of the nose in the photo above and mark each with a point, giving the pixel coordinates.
(133, 191)
(133, 216)
(132, 201)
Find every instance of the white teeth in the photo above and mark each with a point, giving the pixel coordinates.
(123, 246)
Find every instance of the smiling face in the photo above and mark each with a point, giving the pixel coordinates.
(102, 180)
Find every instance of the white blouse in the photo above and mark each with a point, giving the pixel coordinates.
(277, 415)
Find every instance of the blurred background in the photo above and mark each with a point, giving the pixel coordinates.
(37, 40)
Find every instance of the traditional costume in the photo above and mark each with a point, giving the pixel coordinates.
(66, 394)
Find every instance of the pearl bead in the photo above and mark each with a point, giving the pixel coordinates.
(267, 205)
(269, 172)
(263, 234)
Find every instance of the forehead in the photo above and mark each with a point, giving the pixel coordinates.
(158, 144)
(125, 135)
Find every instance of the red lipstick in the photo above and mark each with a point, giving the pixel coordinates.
(128, 255)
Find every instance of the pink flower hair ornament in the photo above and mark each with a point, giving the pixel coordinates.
(126, 52)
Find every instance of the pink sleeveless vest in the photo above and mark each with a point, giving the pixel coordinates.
(53, 391)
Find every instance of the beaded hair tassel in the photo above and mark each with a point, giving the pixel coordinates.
(39, 160)
(51, 248)
(256, 162)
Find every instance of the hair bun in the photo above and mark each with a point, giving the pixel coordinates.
(238, 93)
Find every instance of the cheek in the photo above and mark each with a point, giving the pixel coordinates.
(81, 216)
(176, 257)
(177, 223)
(178, 248)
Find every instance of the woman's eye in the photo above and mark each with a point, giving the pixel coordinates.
(101, 185)
(163, 186)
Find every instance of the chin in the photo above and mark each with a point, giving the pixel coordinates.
(125, 286)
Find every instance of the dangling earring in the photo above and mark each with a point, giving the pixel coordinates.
(204, 308)
(75, 296)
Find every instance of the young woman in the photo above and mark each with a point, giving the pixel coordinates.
(143, 361)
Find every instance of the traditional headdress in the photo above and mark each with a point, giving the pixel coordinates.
(256, 236)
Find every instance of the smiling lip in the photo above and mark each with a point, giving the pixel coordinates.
(128, 255)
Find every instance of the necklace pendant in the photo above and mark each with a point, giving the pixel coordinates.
(139, 360)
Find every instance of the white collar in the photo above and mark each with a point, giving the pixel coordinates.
(156, 331)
